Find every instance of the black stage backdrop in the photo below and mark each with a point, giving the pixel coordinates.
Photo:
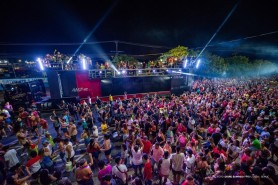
(52, 77)
(179, 84)
(68, 83)
(133, 85)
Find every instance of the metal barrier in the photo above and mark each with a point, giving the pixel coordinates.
(101, 73)
(106, 73)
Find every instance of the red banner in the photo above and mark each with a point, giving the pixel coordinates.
(87, 87)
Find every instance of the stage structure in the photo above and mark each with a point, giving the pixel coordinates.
(84, 83)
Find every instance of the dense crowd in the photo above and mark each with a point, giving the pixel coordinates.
(221, 132)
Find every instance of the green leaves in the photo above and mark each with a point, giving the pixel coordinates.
(177, 52)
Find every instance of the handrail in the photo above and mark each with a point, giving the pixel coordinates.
(109, 73)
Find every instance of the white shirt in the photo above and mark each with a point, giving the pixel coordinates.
(95, 134)
(223, 143)
(119, 174)
(6, 112)
(136, 157)
(72, 150)
(165, 166)
(49, 146)
(189, 161)
(177, 161)
(191, 123)
(11, 157)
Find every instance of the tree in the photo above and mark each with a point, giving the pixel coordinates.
(262, 67)
(238, 65)
(193, 53)
(129, 59)
(177, 52)
(216, 65)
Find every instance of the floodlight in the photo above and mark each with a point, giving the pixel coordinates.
(84, 64)
(40, 64)
(69, 60)
(198, 63)
(185, 63)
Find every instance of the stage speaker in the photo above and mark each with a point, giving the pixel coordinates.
(55, 85)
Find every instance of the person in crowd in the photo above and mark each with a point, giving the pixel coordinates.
(33, 165)
(189, 162)
(176, 165)
(69, 150)
(189, 180)
(147, 145)
(86, 136)
(94, 149)
(136, 155)
(18, 177)
(84, 174)
(10, 156)
(106, 148)
(120, 170)
(164, 168)
(56, 123)
(148, 173)
(103, 170)
(156, 153)
(46, 178)
(124, 154)
(2, 126)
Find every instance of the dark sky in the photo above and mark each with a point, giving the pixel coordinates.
(155, 22)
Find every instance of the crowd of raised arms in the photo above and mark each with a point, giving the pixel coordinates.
(221, 132)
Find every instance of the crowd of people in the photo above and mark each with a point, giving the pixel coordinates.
(59, 60)
(223, 131)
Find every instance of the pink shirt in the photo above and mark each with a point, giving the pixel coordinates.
(211, 130)
(103, 172)
(157, 153)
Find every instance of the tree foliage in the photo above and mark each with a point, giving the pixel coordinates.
(238, 65)
(178, 52)
(216, 64)
(124, 58)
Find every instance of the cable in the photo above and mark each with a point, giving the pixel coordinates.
(245, 38)
(144, 45)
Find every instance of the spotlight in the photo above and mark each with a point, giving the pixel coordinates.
(167, 70)
(84, 64)
(185, 63)
(140, 71)
(119, 72)
(69, 60)
(179, 70)
(100, 72)
(124, 72)
(198, 63)
(40, 64)
(153, 71)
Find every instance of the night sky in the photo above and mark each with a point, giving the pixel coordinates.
(164, 23)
